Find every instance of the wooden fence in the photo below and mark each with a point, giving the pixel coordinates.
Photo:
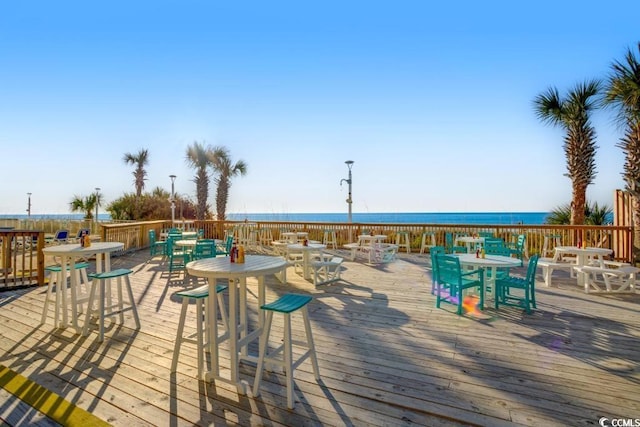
(617, 238)
(22, 261)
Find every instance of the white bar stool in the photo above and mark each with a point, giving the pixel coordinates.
(545, 243)
(286, 305)
(329, 238)
(100, 281)
(266, 236)
(200, 296)
(59, 280)
(423, 244)
(400, 235)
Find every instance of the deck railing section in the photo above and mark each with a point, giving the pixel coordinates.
(617, 238)
(21, 258)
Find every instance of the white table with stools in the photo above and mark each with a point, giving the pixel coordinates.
(257, 266)
(306, 250)
(69, 255)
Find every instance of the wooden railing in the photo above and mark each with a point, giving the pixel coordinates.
(21, 258)
(617, 238)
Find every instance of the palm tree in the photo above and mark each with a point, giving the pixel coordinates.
(200, 158)
(595, 214)
(225, 170)
(573, 114)
(623, 93)
(86, 205)
(140, 160)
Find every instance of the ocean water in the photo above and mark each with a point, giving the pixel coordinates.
(498, 218)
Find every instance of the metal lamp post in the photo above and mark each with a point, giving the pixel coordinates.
(29, 209)
(349, 181)
(97, 205)
(173, 201)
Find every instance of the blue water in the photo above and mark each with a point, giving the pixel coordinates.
(499, 218)
(404, 217)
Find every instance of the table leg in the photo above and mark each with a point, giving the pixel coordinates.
(63, 290)
(74, 293)
(213, 327)
(244, 327)
(305, 265)
(233, 334)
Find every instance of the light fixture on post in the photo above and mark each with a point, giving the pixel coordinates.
(29, 209)
(173, 201)
(349, 181)
(97, 205)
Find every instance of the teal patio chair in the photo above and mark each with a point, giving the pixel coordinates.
(435, 251)
(452, 282)
(495, 246)
(156, 246)
(226, 249)
(485, 234)
(178, 257)
(505, 286)
(518, 248)
(205, 248)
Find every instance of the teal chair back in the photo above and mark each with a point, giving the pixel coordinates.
(495, 246)
(485, 234)
(205, 248)
(452, 281)
(505, 288)
(448, 241)
(435, 251)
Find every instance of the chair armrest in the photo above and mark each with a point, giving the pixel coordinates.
(469, 273)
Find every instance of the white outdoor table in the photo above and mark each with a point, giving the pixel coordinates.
(582, 257)
(294, 236)
(468, 241)
(306, 255)
(239, 337)
(69, 254)
(489, 261)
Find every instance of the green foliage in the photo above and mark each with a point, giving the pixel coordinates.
(594, 214)
(86, 204)
(150, 206)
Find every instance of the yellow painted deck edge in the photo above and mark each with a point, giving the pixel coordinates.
(46, 401)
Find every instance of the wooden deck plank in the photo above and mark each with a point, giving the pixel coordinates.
(387, 356)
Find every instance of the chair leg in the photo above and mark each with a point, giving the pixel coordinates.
(176, 348)
(134, 309)
(264, 342)
(310, 344)
(288, 355)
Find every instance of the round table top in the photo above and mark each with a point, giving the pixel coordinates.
(488, 260)
(470, 239)
(309, 247)
(73, 249)
(588, 250)
(185, 242)
(222, 267)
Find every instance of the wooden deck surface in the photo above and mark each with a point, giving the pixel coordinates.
(387, 357)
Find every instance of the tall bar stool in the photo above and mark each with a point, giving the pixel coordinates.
(545, 243)
(286, 305)
(266, 236)
(200, 296)
(432, 239)
(100, 281)
(400, 236)
(330, 238)
(59, 280)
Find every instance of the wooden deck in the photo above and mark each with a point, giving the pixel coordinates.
(387, 357)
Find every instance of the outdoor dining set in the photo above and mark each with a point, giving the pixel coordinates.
(466, 272)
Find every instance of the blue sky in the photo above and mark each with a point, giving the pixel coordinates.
(433, 101)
